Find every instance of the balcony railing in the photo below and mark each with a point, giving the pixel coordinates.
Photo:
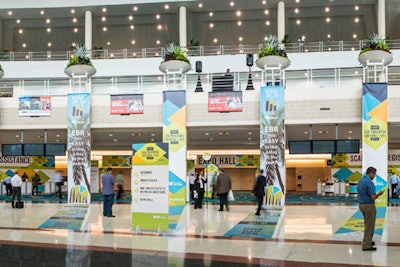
(322, 46)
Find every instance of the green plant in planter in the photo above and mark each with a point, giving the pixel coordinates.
(375, 43)
(1, 68)
(272, 48)
(80, 56)
(175, 52)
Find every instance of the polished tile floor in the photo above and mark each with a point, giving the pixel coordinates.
(303, 237)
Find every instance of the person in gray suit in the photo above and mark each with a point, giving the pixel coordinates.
(259, 190)
(223, 187)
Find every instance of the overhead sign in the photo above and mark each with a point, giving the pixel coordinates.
(34, 106)
(126, 104)
(225, 101)
(230, 160)
(121, 161)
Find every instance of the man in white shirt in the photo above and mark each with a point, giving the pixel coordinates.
(16, 183)
(394, 180)
(191, 186)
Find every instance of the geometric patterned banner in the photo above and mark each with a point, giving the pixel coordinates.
(79, 148)
(272, 142)
(375, 134)
(174, 133)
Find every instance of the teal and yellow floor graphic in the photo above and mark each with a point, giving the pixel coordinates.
(253, 226)
(69, 217)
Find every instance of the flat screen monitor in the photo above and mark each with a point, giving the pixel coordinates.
(11, 149)
(323, 146)
(55, 149)
(348, 146)
(33, 150)
(300, 147)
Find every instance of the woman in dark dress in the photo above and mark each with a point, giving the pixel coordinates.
(198, 191)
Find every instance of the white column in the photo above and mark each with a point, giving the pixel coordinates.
(182, 27)
(381, 19)
(281, 21)
(88, 30)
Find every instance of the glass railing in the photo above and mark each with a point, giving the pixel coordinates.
(322, 46)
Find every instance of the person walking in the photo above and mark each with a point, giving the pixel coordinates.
(192, 178)
(223, 187)
(108, 182)
(366, 193)
(394, 181)
(259, 190)
(16, 183)
(58, 179)
(8, 185)
(198, 191)
(35, 184)
(120, 183)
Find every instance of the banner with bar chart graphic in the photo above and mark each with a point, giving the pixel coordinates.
(149, 185)
(272, 142)
(79, 148)
(375, 135)
(174, 133)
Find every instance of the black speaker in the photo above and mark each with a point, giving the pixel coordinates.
(249, 60)
(199, 67)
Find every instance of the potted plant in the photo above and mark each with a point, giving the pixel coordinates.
(272, 54)
(375, 51)
(175, 59)
(79, 63)
(1, 71)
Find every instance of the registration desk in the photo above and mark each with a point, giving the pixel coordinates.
(46, 188)
(331, 188)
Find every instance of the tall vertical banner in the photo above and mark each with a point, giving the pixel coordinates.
(174, 133)
(79, 148)
(272, 142)
(149, 185)
(375, 134)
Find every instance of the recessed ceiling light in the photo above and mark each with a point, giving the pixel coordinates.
(238, 13)
(132, 27)
(104, 9)
(48, 29)
(328, 19)
(266, 12)
(75, 29)
(250, 133)
(354, 36)
(48, 21)
(206, 133)
(211, 14)
(356, 7)
(72, 11)
(305, 132)
(298, 22)
(215, 40)
(329, 36)
(23, 45)
(20, 31)
(73, 44)
(296, 10)
(264, 2)
(297, 1)
(152, 139)
(158, 42)
(74, 20)
(110, 134)
(166, 6)
(108, 43)
(240, 38)
(249, 138)
(159, 27)
(267, 23)
(349, 137)
(115, 140)
(57, 135)
(104, 29)
(211, 139)
(130, 17)
(153, 134)
(158, 16)
(18, 21)
(356, 20)
(327, 9)
(10, 13)
(41, 12)
(239, 23)
(135, 8)
(200, 5)
(133, 42)
(49, 44)
(103, 18)
(211, 25)
(223, 133)
(16, 135)
(57, 140)
(232, 3)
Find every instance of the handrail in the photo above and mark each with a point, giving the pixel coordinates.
(322, 46)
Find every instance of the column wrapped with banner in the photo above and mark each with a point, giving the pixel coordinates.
(375, 134)
(272, 142)
(174, 133)
(79, 148)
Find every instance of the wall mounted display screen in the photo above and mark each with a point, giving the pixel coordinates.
(126, 104)
(348, 146)
(34, 106)
(299, 147)
(55, 149)
(225, 101)
(323, 146)
(11, 149)
(34, 150)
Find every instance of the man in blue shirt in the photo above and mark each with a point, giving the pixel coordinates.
(366, 197)
(394, 180)
(108, 182)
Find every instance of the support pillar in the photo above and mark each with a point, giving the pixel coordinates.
(88, 30)
(281, 21)
(381, 19)
(182, 26)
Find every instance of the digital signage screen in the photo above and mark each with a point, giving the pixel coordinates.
(126, 104)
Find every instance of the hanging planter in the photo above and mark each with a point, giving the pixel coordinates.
(175, 59)
(75, 70)
(272, 55)
(375, 51)
(273, 62)
(80, 63)
(174, 65)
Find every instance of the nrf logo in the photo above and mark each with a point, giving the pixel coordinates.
(271, 106)
(77, 111)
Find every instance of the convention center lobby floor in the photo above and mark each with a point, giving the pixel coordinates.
(304, 235)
